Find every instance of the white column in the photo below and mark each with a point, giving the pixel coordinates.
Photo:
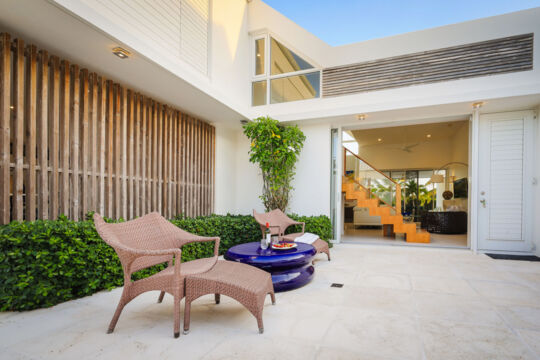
(473, 177)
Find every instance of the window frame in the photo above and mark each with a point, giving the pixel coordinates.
(254, 76)
(267, 76)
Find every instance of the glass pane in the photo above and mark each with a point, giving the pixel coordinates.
(292, 88)
(259, 56)
(284, 60)
(258, 93)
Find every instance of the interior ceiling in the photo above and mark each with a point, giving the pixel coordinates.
(50, 27)
(407, 135)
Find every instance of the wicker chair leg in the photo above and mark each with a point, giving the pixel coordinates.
(328, 254)
(161, 295)
(187, 310)
(177, 316)
(217, 297)
(273, 297)
(260, 322)
(123, 301)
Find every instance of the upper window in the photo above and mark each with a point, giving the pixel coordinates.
(280, 75)
(259, 56)
(283, 60)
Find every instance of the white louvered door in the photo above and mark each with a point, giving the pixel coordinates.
(505, 179)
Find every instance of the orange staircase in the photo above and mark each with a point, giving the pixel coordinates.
(389, 215)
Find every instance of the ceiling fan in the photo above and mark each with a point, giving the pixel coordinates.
(407, 148)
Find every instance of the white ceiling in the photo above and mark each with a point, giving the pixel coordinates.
(408, 134)
(50, 27)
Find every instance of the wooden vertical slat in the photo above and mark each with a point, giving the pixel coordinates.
(191, 164)
(5, 123)
(110, 148)
(163, 172)
(31, 126)
(131, 164)
(144, 156)
(18, 134)
(43, 126)
(117, 151)
(85, 129)
(64, 136)
(102, 96)
(160, 158)
(137, 156)
(179, 194)
(54, 136)
(75, 130)
(123, 152)
(155, 158)
(149, 156)
(174, 164)
(94, 193)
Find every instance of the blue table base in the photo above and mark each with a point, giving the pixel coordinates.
(290, 269)
(292, 278)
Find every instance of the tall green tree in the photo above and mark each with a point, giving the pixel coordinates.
(275, 148)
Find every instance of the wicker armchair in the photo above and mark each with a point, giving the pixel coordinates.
(279, 222)
(148, 241)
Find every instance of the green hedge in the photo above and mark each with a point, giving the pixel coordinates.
(46, 262)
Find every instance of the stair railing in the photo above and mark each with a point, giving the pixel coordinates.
(376, 183)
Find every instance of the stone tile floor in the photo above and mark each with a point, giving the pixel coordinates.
(397, 303)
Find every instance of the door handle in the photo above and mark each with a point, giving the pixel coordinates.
(483, 202)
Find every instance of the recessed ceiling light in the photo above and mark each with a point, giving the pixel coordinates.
(361, 117)
(428, 135)
(121, 52)
(379, 139)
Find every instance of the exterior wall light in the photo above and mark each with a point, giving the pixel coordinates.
(121, 52)
(478, 105)
(361, 117)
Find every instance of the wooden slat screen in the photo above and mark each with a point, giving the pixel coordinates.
(510, 54)
(72, 141)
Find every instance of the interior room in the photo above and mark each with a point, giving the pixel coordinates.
(426, 164)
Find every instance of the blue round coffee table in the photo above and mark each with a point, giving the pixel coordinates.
(290, 269)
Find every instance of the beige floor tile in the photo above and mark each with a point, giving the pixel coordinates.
(521, 317)
(507, 293)
(262, 348)
(532, 339)
(336, 353)
(390, 281)
(447, 340)
(445, 285)
(373, 332)
(388, 301)
(456, 308)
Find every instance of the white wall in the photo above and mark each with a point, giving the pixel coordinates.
(311, 194)
(225, 176)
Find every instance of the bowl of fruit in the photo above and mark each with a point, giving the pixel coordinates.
(284, 246)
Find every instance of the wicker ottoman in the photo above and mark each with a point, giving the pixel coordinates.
(246, 284)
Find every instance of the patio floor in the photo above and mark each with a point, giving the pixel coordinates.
(397, 303)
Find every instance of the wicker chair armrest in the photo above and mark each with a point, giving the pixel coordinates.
(141, 252)
(196, 239)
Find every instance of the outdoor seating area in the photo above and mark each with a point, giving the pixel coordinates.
(395, 303)
(269, 180)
